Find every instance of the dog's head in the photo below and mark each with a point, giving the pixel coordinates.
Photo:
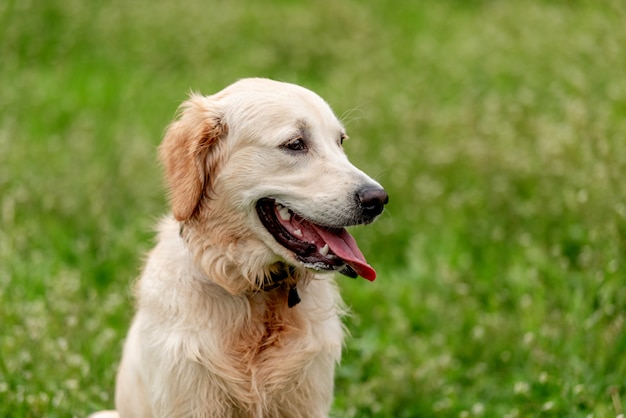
(258, 172)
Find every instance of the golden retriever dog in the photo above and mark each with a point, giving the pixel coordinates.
(235, 317)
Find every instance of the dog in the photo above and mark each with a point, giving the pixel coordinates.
(235, 316)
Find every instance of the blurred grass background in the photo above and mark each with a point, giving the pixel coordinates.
(496, 126)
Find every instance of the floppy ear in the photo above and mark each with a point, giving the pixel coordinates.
(185, 152)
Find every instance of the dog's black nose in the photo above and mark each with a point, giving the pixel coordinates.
(372, 201)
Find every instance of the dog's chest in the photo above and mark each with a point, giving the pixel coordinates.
(265, 348)
(272, 325)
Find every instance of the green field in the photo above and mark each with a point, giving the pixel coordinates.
(497, 127)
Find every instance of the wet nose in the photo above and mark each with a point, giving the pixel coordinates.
(372, 200)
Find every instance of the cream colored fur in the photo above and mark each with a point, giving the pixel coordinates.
(206, 340)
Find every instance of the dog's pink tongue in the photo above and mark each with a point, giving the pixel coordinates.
(344, 246)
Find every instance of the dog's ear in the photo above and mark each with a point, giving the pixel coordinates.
(185, 153)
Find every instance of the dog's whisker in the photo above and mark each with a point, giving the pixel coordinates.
(350, 116)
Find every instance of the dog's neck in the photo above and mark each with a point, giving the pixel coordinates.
(279, 276)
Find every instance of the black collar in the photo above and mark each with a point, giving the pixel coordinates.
(280, 279)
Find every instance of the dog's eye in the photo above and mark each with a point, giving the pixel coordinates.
(297, 144)
(341, 138)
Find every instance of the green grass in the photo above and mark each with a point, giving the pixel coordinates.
(497, 127)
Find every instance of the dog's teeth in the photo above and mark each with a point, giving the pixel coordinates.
(297, 232)
(284, 213)
(324, 250)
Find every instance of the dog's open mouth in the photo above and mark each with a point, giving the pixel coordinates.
(317, 247)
